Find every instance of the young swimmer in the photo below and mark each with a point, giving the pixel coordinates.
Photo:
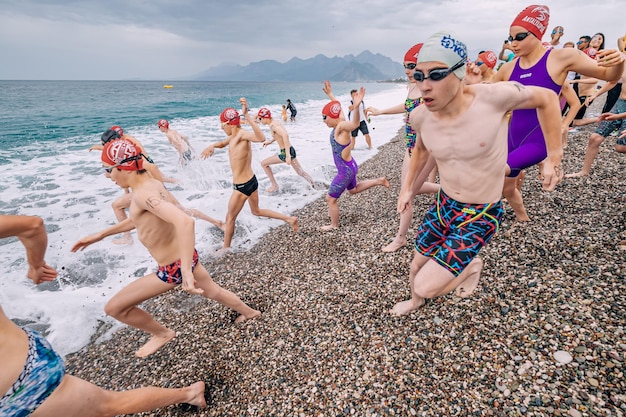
(463, 127)
(411, 102)
(245, 184)
(280, 135)
(168, 234)
(178, 141)
(33, 381)
(545, 68)
(347, 168)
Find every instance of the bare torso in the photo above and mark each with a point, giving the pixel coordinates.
(472, 164)
(240, 156)
(157, 235)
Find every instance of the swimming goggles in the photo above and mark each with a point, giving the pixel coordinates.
(437, 74)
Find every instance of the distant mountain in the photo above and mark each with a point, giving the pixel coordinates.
(364, 67)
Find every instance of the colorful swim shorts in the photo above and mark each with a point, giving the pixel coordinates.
(43, 372)
(452, 233)
(171, 274)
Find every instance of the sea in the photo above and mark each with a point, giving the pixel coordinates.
(46, 130)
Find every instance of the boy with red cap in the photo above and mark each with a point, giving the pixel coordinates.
(545, 68)
(287, 152)
(340, 142)
(245, 184)
(178, 141)
(168, 234)
(413, 99)
(463, 127)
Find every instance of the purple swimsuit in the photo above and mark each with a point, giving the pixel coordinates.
(527, 145)
(346, 170)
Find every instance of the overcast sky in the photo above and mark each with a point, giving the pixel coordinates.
(169, 39)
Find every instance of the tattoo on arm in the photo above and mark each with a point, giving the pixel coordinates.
(153, 202)
(519, 86)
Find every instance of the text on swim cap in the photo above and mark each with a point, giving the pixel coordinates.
(458, 47)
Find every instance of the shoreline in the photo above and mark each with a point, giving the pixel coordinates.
(325, 344)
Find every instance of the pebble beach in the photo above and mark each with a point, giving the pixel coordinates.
(543, 334)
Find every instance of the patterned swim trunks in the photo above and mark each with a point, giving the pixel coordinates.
(452, 233)
(171, 274)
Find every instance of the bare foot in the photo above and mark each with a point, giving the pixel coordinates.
(196, 395)
(126, 239)
(293, 222)
(396, 244)
(385, 182)
(155, 343)
(243, 318)
(405, 307)
(222, 252)
(577, 175)
(328, 228)
(468, 286)
(272, 189)
(220, 225)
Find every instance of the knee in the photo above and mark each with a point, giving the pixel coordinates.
(330, 200)
(596, 140)
(114, 309)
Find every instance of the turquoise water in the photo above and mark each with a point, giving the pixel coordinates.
(43, 111)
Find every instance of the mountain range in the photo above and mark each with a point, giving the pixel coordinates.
(365, 66)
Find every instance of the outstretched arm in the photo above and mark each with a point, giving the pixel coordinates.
(31, 231)
(258, 133)
(123, 226)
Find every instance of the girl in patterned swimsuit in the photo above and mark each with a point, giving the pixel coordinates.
(412, 101)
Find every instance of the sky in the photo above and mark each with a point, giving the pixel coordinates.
(174, 39)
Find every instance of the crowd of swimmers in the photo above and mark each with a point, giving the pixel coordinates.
(474, 126)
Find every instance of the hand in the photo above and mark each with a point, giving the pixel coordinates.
(266, 143)
(609, 58)
(473, 74)
(189, 283)
(607, 116)
(371, 111)
(208, 151)
(589, 100)
(404, 201)
(84, 242)
(623, 135)
(552, 175)
(44, 273)
(244, 105)
(327, 89)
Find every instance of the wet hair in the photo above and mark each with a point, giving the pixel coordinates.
(603, 38)
(352, 92)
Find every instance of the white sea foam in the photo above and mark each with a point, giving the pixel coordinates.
(73, 196)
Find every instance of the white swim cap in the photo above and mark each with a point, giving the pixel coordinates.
(444, 47)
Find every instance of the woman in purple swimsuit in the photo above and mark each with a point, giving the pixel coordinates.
(413, 100)
(545, 68)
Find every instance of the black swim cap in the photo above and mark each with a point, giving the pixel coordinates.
(109, 135)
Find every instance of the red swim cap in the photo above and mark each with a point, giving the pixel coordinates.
(264, 113)
(534, 19)
(591, 52)
(118, 129)
(230, 116)
(332, 109)
(411, 54)
(163, 123)
(489, 58)
(122, 154)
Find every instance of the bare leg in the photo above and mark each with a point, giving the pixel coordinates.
(593, 147)
(367, 184)
(406, 217)
(200, 215)
(123, 307)
(298, 168)
(469, 278)
(268, 171)
(253, 202)
(415, 302)
(333, 211)
(235, 204)
(75, 397)
(514, 198)
(223, 296)
(119, 206)
(368, 139)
